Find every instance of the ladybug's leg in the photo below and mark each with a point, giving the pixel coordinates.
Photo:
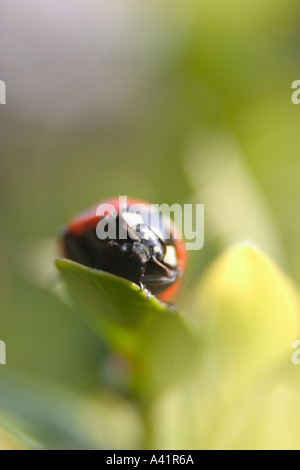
(113, 243)
(145, 290)
(142, 285)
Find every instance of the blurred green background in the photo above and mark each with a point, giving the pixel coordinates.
(169, 101)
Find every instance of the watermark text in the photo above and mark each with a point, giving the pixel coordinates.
(2, 353)
(296, 94)
(2, 92)
(131, 219)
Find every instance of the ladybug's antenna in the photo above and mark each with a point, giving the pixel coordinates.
(168, 271)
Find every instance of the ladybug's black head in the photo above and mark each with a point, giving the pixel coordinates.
(147, 245)
(149, 251)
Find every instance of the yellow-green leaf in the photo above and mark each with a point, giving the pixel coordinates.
(248, 310)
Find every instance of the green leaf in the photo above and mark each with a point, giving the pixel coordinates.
(159, 343)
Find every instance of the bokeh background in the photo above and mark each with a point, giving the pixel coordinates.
(169, 101)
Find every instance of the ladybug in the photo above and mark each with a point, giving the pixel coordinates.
(144, 250)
